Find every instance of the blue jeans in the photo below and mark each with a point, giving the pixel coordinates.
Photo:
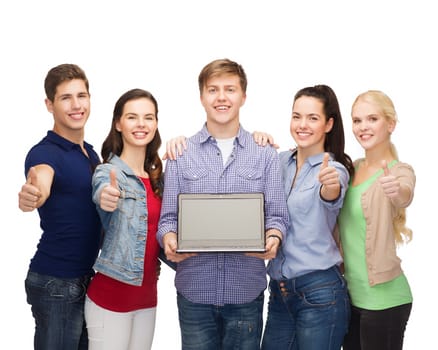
(310, 312)
(58, 309)
(231, 326)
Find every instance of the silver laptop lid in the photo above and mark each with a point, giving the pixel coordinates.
(232, 222)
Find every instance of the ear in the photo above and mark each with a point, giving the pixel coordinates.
(329, 125)
(201, 99)
(117, 126)
(243, 100)
(391, 126)
(49, 105)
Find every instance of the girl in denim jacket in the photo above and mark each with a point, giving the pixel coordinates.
(122, 297)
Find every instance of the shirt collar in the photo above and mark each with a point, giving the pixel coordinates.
(64, 143)
(119, 163)
(312, 160)
(242, 137)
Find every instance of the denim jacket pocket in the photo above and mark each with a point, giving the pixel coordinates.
(127, 203)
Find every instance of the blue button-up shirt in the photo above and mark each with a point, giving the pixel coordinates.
(223, 278)
(309, 244)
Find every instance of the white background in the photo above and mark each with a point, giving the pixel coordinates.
(161, 46)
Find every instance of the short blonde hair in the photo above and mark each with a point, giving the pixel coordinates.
(222, 67)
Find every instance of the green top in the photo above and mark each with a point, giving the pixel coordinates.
(352, 228)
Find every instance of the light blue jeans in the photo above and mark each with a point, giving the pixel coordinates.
(231, 326)
(310, 312)
(58, 309)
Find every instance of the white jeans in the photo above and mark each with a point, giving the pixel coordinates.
(109, 330)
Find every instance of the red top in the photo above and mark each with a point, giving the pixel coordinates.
(117, 296)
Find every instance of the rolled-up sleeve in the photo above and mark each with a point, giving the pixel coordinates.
(276, 214)
(169, 209)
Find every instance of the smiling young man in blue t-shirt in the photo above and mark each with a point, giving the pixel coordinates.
(59, 169)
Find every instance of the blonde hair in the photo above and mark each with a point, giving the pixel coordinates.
(222, 67)
(402, 233)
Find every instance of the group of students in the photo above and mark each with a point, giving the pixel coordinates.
(332, 226)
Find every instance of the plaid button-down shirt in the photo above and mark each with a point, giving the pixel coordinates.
(223, 278)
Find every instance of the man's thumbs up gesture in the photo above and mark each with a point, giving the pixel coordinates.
(329, 179)
(30, 194)
(36, 190)
(110, 194)
(389, 183)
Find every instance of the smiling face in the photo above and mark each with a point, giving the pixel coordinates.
(222, 97)
(370, 127)
(309, 125)
(70, 108)
(138, 123)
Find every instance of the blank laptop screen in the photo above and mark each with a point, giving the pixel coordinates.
(221, 222)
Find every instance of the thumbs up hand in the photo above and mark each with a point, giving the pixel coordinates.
(329, 179)
(325, 160)
(30, 193)
(32, 177)
(110, 194)
(389, 183)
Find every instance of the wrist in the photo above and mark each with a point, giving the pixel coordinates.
(278, 237)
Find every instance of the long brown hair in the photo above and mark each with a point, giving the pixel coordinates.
(113, 143)
(335, 139)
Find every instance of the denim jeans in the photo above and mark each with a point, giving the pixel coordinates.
(377, 329)
(310, 312)
(231, 326)
(58, 309)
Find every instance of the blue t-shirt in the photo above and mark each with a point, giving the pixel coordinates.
(71, 227)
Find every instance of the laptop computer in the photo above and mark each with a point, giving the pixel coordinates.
(229, 222)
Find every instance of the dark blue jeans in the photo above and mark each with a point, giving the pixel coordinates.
(58, 309)
(310, 312)
(231, 326)
(377, 329)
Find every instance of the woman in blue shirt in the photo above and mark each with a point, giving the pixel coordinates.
(308, 304)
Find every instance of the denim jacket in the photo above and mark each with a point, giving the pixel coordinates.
(125, 230)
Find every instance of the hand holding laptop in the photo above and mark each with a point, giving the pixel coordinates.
(170, 243)
(274, 239)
